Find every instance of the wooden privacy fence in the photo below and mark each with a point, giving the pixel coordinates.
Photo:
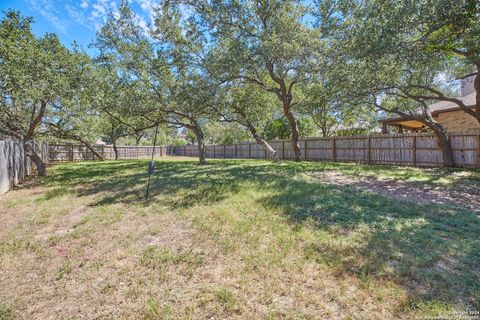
(14, 164)
(75, 152)
(415, 149)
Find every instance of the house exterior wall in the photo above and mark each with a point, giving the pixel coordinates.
(457, 120)
(467, 85)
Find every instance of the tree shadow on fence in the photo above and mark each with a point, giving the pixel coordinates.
(433, 251)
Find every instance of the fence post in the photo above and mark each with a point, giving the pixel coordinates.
(414, 151)
(353, 147)
(305, 143)
(449, 139)
(334, 150)
(13, 144)
(369, 143)
(478, 150)
(437, 140)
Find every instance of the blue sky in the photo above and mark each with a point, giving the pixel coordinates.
(73, 20)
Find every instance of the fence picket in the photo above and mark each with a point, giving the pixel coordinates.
(14, 164)
(419, 149)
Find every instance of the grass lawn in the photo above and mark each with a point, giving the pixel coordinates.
(235, 239)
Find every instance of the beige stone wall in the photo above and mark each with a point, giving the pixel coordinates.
(457, 121)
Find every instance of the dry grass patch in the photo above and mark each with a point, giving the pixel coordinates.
(233, 239)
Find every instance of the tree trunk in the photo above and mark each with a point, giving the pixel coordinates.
(284, 94)
(92, 150)
(441, 132)
(115, 149)
(263, 143)
(324, 132)
(201, 145)
(138, 137)
(30, 152)
(447, 152)
(295, 133)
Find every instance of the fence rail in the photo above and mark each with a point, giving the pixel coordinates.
(14, 164)
(415, 149)
(75, 152)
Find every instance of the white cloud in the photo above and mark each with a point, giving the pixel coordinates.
(49, 11)
(92, 14)
(148, 6)
(98, 10)
(141, 22)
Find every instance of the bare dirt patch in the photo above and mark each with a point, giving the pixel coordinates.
(466, 197)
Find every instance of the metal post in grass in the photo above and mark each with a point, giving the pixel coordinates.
(151, 164)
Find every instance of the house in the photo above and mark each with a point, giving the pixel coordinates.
(449, 114)
(100, 142)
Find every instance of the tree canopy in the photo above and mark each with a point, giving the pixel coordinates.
(226, 71)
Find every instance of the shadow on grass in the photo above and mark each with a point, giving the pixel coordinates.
(177, 183)
(433, 251)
